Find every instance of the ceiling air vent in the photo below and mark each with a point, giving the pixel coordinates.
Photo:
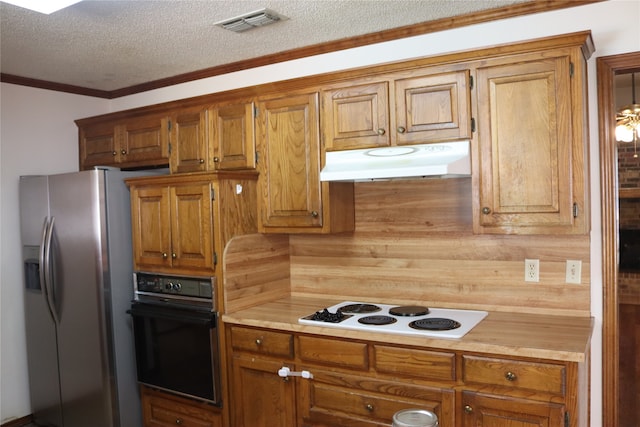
(257, 18)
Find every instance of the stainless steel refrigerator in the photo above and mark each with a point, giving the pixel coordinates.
(76, 237)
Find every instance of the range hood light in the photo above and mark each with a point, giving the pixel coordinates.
(451, 159)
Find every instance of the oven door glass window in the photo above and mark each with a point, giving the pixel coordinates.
(176, 350)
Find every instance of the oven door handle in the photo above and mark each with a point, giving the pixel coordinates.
(170, 313)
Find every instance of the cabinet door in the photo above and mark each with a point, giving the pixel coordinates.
(260, 397)
(150, 226)
(98, 146)
(356, 116)
(525, 148)
(192, 226)
(479, 410)
(233, 143)
(433, 108)
(144, 141)
(290, 163)
(188, 141)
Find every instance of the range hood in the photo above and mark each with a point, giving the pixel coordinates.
(450, 159)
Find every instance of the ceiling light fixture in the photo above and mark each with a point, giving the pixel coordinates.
(257, 18)
(628, 120)
(43, 6)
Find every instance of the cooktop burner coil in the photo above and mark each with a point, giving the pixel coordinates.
(409, 310)
(435, 324)
(360, 308)
(377, 320)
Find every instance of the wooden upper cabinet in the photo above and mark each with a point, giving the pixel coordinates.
(291, 198)
(356, 116)
(433, 108)
(136, 142)
(404, 108)
(233, 143)
(98, 146)
(172, 226)
(531, 166)
(290, 162)
(188, 141)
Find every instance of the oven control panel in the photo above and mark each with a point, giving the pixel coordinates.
(173, 285)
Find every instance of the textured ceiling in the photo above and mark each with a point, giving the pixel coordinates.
(110, 45)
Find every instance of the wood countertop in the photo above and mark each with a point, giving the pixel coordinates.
(562, 338)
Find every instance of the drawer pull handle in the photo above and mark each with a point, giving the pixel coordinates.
(468, 409)
(174, 256)
(314, 214)
(216, 159)
(164, 255)
(123, 151)
(178, 421)
(401, 129)
(381, 131)
(258, 342)
(114, 153)
(369, 407)
(510, 376)
(201, 161)
(486, 210)
(285, 372)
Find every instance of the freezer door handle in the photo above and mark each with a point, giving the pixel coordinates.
(47, 268)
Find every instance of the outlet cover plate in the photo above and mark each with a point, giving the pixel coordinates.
(574, 271)
(531, 270)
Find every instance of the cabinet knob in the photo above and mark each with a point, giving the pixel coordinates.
(486, 210)
(510, 376)
(401, 129)
(114, 153)
(164, 255)
(216, 159)
(123, 151)
(258, 341)
(381, 131)
(369, 407)
(201, 161)
(179, 421)
(314, 214)
(174, 256)
(468, 409)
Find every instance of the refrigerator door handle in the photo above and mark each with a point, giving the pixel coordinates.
(47, 268)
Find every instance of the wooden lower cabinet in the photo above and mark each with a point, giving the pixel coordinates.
(363, 383)
(260, 398)
(161, 409)
(498, 411)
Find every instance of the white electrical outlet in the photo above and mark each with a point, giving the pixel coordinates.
(531, 270)
(574, 271)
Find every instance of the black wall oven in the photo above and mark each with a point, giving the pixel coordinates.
(175, 327)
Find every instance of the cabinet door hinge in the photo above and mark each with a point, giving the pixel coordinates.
(257, 157)
(213, 194)
(169, 125)
(215, 258)
(567, 421)
(169, 147)
(571, 69)
(473, 124)
(470, 82)
(255, 111)
(575, 210)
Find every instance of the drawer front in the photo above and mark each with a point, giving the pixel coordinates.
(159, 412)
(330, 351)
(415, 363)
(543, 377)
(337, 400)
(262, 341)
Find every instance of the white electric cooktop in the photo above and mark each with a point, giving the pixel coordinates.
(396, 319)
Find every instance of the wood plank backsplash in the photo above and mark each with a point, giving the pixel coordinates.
(414, 243)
